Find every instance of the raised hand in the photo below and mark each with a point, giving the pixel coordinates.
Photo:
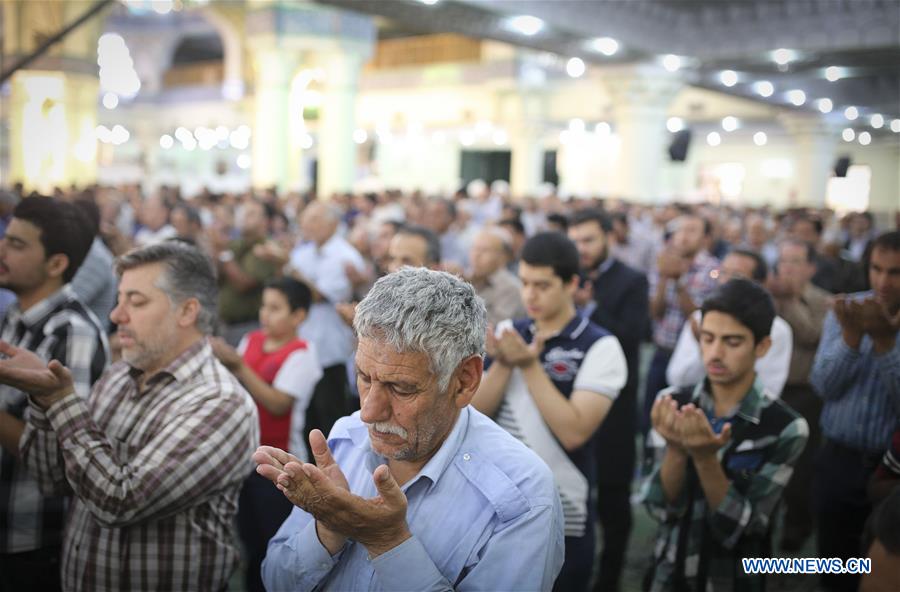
(25, 371)
(663, 416)
(518, 353)
(696, 434)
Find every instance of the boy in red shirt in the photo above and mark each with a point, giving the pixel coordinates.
(280, 371)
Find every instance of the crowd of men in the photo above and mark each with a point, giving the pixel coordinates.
(395, 391)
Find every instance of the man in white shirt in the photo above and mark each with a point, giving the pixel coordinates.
(154, 218)
(320, 262)
(686, 365)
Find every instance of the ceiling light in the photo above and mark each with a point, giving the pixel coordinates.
(825, 105)
(713, 139)
(500, 137)
(244, 161)
(760, 138)
(877, 121)
(848, 134)
(429, 2)
(832, 73)
(525, 25)
(851, 113)
(565, 137)
(110, 100)
(895, 126)
(675, 124)
(796, 97)
(730, 123)
(764, 88)
(166, 141)
(360, 136)
(575, 67)
(728, 77)
(467, 137)
(604, 129)
(783, 56)
(671, 62)
(605, 45)
(865, 138)
(306, 142)
(576, 126)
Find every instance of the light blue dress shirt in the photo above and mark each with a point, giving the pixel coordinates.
(861, 390)
(483, 512)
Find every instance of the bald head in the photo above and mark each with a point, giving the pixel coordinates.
(491, 250)
(318, 222)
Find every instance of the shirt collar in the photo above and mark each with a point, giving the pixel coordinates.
(572, 330)
(749, 409)
(436, 465)
(607, 263)
(43, 309)
(185, 366)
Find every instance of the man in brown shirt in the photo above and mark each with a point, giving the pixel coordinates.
(497, 286)
(803, 306)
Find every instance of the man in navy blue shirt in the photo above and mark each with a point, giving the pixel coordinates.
(553, 378)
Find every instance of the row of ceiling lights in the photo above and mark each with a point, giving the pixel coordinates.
(575, 67)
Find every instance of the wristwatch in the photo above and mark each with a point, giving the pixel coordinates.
(226, 256)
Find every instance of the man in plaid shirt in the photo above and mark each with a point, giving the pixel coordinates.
(728, 450)
(44, 246)
(156, 454)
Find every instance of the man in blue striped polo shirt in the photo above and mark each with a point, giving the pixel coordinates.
(857, 373)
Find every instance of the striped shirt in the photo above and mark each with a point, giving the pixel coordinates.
(861, 390)
(155, 470)
(58, 327)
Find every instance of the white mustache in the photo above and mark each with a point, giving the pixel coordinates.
(389, 428)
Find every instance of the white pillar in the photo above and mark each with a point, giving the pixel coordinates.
(337, 121)
(527, 152)
(641, 99)
(274, 69)
(816, 152)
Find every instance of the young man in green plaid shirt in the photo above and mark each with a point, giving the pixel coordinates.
(727, 450)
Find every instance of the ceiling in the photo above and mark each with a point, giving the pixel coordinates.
(860, 37)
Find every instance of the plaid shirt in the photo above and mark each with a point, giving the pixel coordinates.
(155, 470)
(58, 327)
(768, 437)
(699, 282)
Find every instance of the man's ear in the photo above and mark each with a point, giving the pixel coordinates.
(189, 311)
(465, 382)
(762, 348)
(57, 265)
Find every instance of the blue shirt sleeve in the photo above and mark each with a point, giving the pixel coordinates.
(836, 364)
(295, 559)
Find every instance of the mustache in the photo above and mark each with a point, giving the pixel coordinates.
(389, 428)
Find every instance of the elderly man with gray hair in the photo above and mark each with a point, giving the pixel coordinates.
(155, 455)
(417, 490)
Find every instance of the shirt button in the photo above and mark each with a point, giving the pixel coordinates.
(467, 456)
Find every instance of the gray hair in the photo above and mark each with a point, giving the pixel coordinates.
(188, 273)
(432, 312)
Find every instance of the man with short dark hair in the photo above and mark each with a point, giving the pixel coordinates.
(619, 305)
(156, 454)
(686, 365)
(553, 379)
(727, 451)
(856, 372)
(45, 243)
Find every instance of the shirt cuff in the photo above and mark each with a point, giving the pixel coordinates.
(68, 416)
(408, 567)
(37, 416)
(316, 558)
